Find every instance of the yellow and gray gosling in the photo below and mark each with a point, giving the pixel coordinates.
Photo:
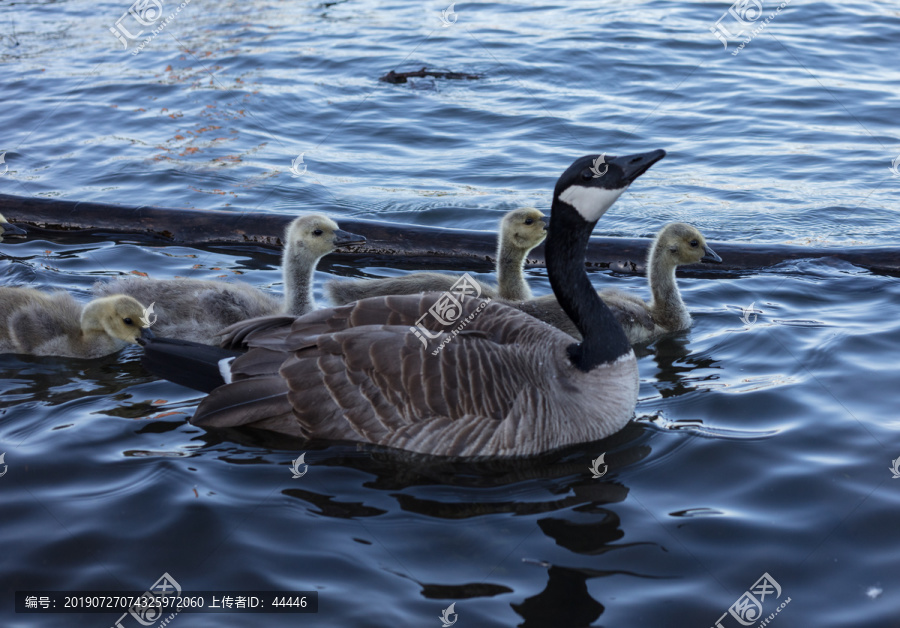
(675, 245)
(53, 323)
(197, 309)
(520, 231)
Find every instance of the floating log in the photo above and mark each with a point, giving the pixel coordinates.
(388, 244)
(400, 77)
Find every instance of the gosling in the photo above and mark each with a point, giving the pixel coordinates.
(53, 323)
(520, 231)
(197, 309)
(675, 245)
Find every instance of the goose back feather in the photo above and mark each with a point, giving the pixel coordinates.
(357, 373)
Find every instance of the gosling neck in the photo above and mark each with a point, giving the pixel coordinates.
(668, 309)
(298, 264)
(510, 276)
(603, 340)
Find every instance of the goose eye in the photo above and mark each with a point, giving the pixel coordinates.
(529, 221)
(317, 232)
(587, 175)
(128, 321)
(694, 244)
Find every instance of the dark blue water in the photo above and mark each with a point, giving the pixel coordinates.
(762, 444)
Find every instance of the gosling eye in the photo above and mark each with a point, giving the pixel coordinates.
(529, 221)
(317, 232)
(694, 244)
(128, 321)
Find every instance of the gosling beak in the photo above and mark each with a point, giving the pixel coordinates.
(9, 229)
(146, 335)
(345, 238)
(546, 221)
(710, 256)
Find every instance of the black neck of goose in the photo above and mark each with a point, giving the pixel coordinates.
(603, 340)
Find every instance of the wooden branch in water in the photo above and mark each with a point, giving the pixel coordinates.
(400, 77)
(388, 244)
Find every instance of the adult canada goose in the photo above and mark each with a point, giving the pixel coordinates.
(198, 309)
(501, 383)
(675, 245)
(520, 231)
(53, 323)
(7, 228)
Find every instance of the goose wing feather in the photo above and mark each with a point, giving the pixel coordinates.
(357, 372)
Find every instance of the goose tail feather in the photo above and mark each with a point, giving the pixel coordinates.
(187, 363)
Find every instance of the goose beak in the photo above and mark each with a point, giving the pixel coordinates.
(9, 229)
(711, 256)
(146, 335)
(635, 165)
(345, 238)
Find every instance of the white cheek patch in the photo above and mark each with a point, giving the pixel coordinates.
(590, 202)
(225, 369)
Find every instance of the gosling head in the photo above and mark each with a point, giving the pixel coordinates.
(681, 244)
(118, 316)
(319, 235)
(523, 228)
(8, 229)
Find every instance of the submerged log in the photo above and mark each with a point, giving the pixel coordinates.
(388, 244)
(401, 77)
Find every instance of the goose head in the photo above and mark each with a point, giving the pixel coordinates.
(118, 317)
(8, 229)
(593, 183)
(523, 228)
(318, 235)
(681, 243)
